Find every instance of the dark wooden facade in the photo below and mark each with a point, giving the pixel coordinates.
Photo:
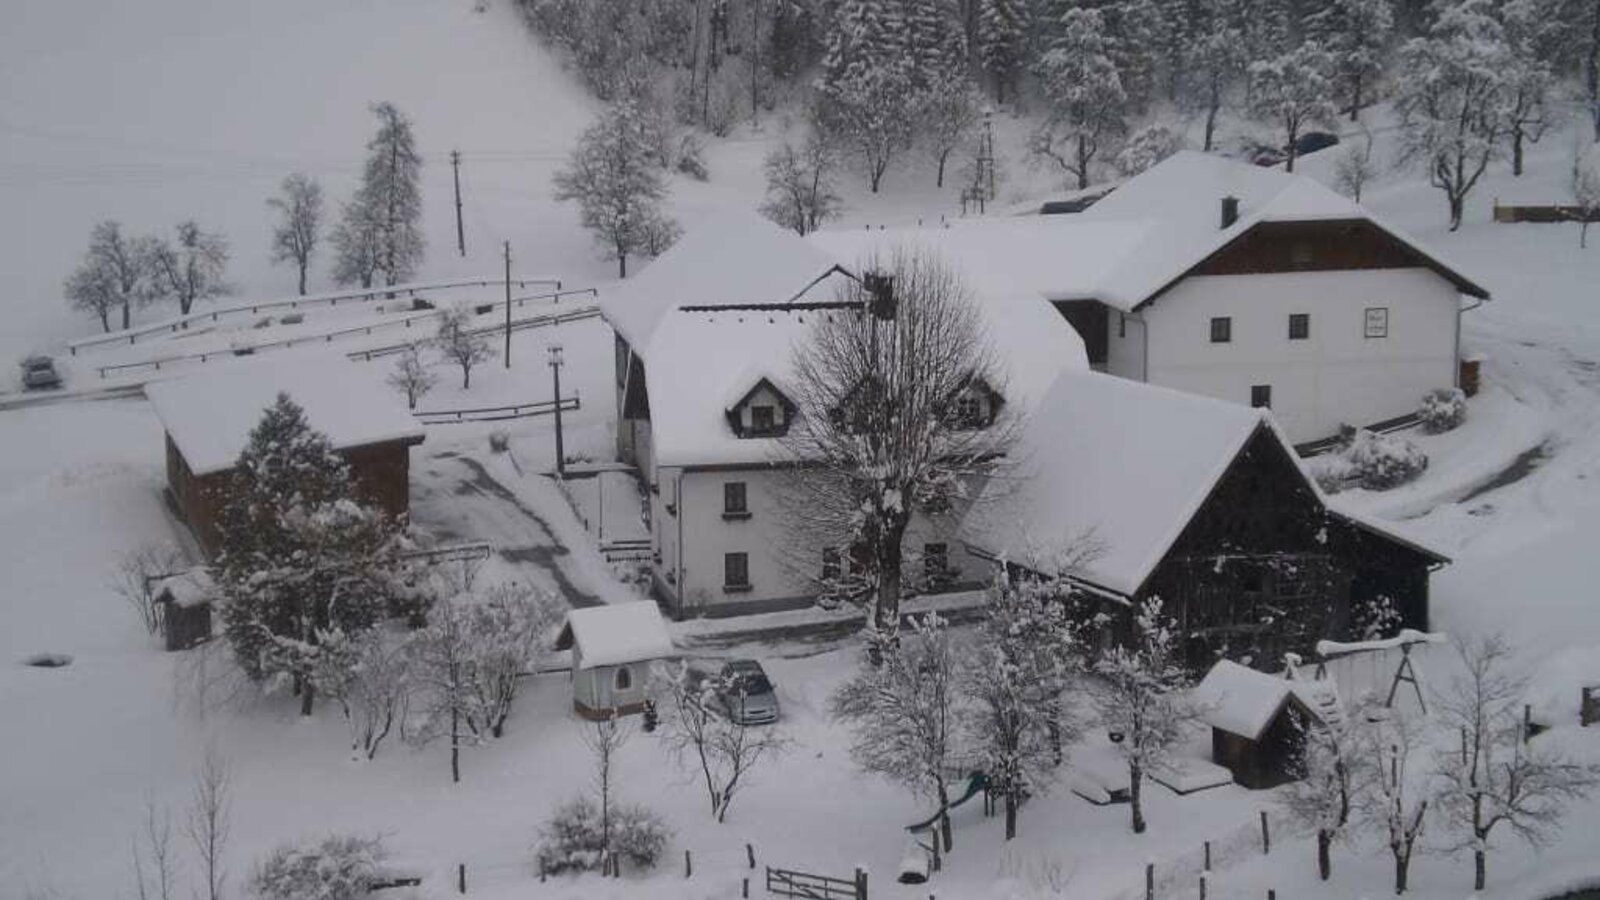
(381, 472)
(1319, 246)
(1266, 761)
(1263, 568)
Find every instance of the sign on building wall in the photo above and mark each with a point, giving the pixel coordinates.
(1377, 321)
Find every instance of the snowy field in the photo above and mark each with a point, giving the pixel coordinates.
(163, 134)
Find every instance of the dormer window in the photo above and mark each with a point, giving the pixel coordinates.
(762, 411)
(976, 406)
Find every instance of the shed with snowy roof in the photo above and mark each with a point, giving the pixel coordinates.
(208, 416)
(1259, 722)
(184, 602)
(612, 648)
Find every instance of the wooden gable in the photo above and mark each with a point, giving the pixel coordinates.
(741, 414)
(1317, 246)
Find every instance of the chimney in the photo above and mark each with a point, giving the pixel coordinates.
(1230, 211)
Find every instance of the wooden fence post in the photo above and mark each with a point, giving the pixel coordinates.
(745, 890)
(750, 853)
(1266, 836)
(461, 878)
(861, 884)
(1272, 894)
(1202, 886)
(1208, 856)
(688, 865)
(1149, 881)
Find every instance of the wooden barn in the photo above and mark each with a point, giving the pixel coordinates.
(1136, 491)
(612, 649)
(208, 417)
(1259, 722)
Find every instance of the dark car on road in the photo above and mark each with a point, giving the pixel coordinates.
(39, 372)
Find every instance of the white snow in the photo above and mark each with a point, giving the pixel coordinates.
(1115, 464)
(187, 589)
(616, 633)
(210, 414)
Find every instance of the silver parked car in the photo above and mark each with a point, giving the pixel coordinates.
(39, 372)
(747, 694)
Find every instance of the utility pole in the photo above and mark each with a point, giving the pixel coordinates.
(555, 375)
(508, 304)
(461, 234)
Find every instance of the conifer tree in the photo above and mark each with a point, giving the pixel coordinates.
(299, 556)
(866, 95)
(1293, 91)
(1003, 43)
(613, 176)
(382, 231)
(1354, 33)
(1087, 102)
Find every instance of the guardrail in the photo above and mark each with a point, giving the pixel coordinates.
(179, 323)
(496, 413)
(586, 312)
(328, 336)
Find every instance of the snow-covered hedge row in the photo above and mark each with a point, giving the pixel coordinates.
(572, 839)
(1377, 462)
(1443, 410)
(339, 867)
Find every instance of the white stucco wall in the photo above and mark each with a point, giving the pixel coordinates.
(779, 569)
(1336, 376)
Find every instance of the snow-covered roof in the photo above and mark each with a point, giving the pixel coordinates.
(209, 414)
(1240, 700)
(701, 357)
(738, 259)
(617, 633)
(1015, 259)
(1181, 198)
(187, 589)
(1114, 464)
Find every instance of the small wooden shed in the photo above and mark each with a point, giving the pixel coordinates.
(185, 602)
(1259, 721)
(612, 648)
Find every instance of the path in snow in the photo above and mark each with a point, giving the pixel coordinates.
(456, 498)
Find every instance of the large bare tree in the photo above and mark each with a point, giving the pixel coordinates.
(299, 228)
(899, 414)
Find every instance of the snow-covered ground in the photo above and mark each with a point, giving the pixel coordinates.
(156, 111)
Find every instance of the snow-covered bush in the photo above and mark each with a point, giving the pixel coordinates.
(499, 441)
(691, 157)
(1146, 147)
(1374, 461)
(574, 839)
(339, 867)
(1443, 410)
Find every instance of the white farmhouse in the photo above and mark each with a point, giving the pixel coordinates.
(1228, 280)
(704, 340)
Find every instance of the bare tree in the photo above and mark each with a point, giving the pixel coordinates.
(508, 626)
(605, 740)
(1331, 774)
(1353, 168)
(368, 675)
(899, 408)
(613, 176)
(948, 114)
(1016, 678)
(1450, 98)
(459, 345)
(411, 376)
(115, 274)
(725, 749)
(155, 865)
(299, 206)
(210, 820)
(191, 270)
(1398, 801)
(1586, 190)
(136, 576)
(1293, 91)
(357, 246)
(1088, 103)
(1143, 697)
(902, 712)
(1498, 776)
(800, 192)
(441, 672)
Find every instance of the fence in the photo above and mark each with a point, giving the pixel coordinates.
(1180, 875)
(1543, 214)
(586, 312)
(496, 413)
(790, 883)
(179, 323)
